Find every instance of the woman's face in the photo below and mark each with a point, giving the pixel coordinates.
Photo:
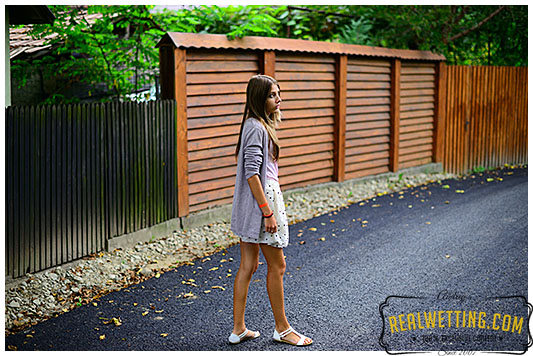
(273, 100)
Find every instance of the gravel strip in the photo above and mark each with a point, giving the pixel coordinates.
(44, 295)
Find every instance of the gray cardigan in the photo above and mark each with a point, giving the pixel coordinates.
(246, 216)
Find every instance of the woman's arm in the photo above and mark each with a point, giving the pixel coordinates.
(259, 195)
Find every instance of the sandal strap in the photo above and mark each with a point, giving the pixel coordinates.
(243, 334)
(288, 331)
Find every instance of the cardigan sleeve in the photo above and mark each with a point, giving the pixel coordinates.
(253, 151)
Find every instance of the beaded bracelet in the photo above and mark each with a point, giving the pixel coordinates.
(267, 216)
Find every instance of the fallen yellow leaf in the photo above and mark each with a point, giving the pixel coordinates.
(213, 269)
(164, 335)
(145, 313)
(302, 242)
(459, 191)
(218, 287)
(102, 337)
(312, 228)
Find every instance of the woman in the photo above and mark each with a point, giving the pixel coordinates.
(258, 213)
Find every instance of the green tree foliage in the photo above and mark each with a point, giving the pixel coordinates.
(118, 49)
(469, 35)
(110, 50)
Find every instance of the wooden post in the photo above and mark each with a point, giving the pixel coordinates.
(173, 78)
(395, 115)
(341, 69)
(268, 65)
(440, 112)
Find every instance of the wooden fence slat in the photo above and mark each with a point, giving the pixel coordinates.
(9, 241)
(113, 167)
(339, 130)
(67, 183)
(100, 149)
(11, 179)
(33, 176)
(150, 118)
(146, 154)
(91, 176)
(140, 174)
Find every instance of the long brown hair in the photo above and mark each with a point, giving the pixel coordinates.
(257, 92)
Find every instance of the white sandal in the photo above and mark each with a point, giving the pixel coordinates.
(235, 339)
(278, 337)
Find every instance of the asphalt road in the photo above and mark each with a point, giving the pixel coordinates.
(431, 240)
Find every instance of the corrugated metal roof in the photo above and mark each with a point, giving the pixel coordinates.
(193, 40)
(20, 41)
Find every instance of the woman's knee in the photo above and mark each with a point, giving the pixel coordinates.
(278, 267)
(248, 269)
(249, 259)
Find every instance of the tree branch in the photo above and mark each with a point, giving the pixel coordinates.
(320, 11)
(103, 53)
(481, 23)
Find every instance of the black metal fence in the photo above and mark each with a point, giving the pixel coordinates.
(77, 175)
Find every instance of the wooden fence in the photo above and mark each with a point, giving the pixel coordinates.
(348, 111)
(77, 175)
(486, 117)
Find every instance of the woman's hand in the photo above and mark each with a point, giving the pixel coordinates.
(271, 225)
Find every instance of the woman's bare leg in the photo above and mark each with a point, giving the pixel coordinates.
(276, 269)
(248, 266)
